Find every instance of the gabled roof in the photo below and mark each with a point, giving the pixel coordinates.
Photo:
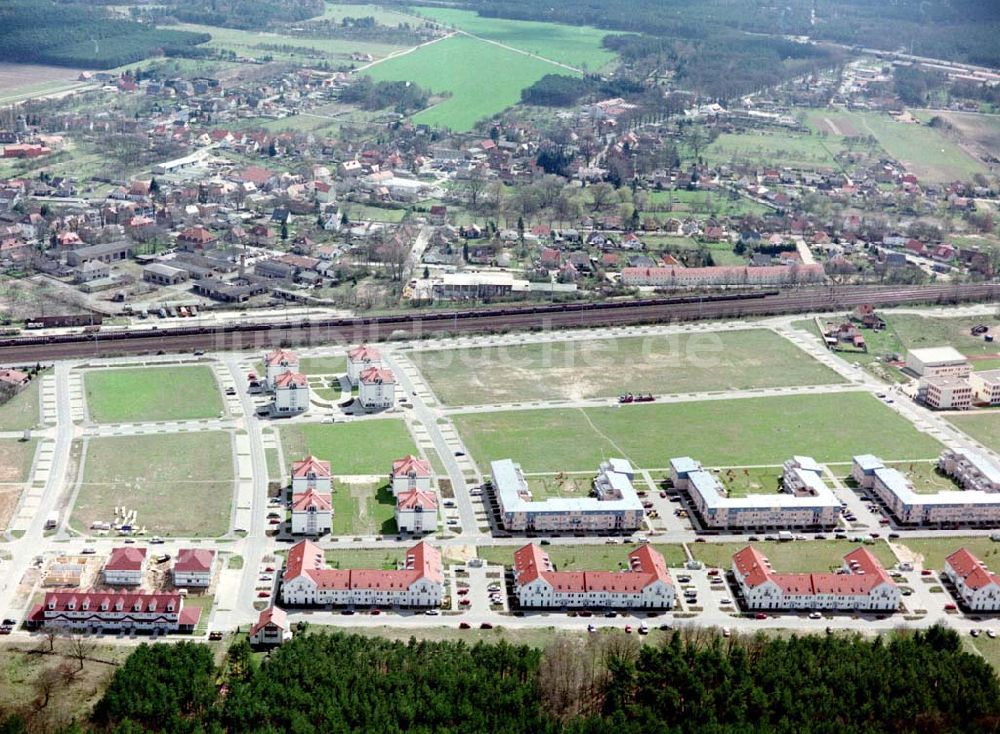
(862, 572)
(414, 498)
(193, 560)
(94, 600)
(307, 559)
(288, 379)
(128, 558)
(375, 375)
(311, 466)
(280, 357)
(411, 466)
(272, 615)
(311, 500)
(646, 566)
(971, 570)
(364, 353)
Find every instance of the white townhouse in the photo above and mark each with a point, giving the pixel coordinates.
(272, 628)
(277, 363)
(125, 566)
(291, 393)
(977, 586)
(805, 499)
(97, 611)
(193, 567)
(361, 359)
(861, 584)
(312, 498)
(646, 584)
(377, 389)
(409, 473)
(616, 507)
(419, 583)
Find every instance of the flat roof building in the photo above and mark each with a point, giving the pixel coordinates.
(937, 361)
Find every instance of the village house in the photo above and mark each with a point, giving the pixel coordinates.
(377, 388)
(977, 587)
(312, 500)
(97, 611)
(361, 359)
(645, 584)
(308, 581)
(125, 566)
(860, 584)
(14, 377)
(193, 567)
(271, 629)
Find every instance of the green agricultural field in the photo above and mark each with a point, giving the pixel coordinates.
(794, 557)
(983, 426)
(382, 16)
(192, 497)
(363, 509)
(16, 458)
(779, 149)
(935, 550)
(152, 394)
(22, 410)
(740, 432)
(578, 369)
(577, 46)
(585, 557)
(366, 447)
(482, 78)
(323, 365)
(709, 203)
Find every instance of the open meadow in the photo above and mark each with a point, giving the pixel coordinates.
(740, 432)
(934, 550)
(780, 149)
(363, 509)
(189, 498)
(22, 410)
(580, 369)
(359, 448)
(585, 557)
(983, 426)
(152, 394)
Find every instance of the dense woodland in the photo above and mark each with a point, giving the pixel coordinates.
(695, 681)
(402, 97)
(45, 32)
(243, 14)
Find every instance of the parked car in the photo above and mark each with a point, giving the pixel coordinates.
(760, 615)
(432, 612)
(628, 629)
(263, 594)
(486, 626)
(464, 626)
(215, 635)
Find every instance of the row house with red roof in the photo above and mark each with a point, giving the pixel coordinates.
(95, 611)
(419, 582)
(977, 586)
(645, 584)
(860, 584)
(194, 567)
(312, 497)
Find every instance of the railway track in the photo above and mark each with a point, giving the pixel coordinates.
(36, 348)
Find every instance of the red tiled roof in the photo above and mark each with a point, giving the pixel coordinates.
(411, 466)
(364, 353)
(287, 379)
(865, 574)
(272, 615)
(646, 566)
(311, 499)
(971, 570)
(414, 498)
(374, 375)
(94, 600)
(311, 465)
(128, 558)
(306, 558)
(194, 560)
(281, 356)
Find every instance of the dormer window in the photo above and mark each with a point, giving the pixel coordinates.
(52, 604)
(170, 606)
(119, 605)
(137, 607)
(104, 605)
(85, 605)
(71, 605)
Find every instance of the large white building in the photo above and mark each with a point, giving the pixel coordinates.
(945, 392)
(125, 566)
(977, 504)
(277, 363)
(410, 472)
(308, 581)
(361, 359)
(98, 611)
(193, 567)
(805, 499)
(377, 388)
(291, 393)
(416, 511)
(977, 586)
(935, 361)
(861, 584)
(312, 500)
(985, 386)
(615, 508)
(646, 584)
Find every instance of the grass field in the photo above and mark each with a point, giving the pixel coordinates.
(795, 557)
(358, 448)
(349, 558)
(483, 79)
(916, 332)
(15, 459)
(189, 498)
(740, 482)
(935, 550)
(742, 432)
(22, 411)
(323, 365)
(577, 46)
(578, 369)
(926, 478)
(152, 394)
(585, 557)
(781, 149)
(363, 509)
(560, 485)
(382, 16)
(718, 203)
(984, 427)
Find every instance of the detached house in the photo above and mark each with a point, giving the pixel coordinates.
(359, 360)
(278, 363)
(977, 586)
(312, 501)
(410, 473)
(193, 567)
(272, 628)
(291, 393)
(378, 388)
(125, 566)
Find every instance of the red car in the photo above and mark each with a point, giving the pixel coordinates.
(628, 629)
(761, 615)
(464, 602)
(375, 611)
(263, 594)
(926, 572)
(663, 495)
(462, 592)
(950, 607)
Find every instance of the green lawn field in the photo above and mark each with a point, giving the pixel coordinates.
(152, 394)
(382, 16)
(794, 557)
(585, 557)
(365, 447)
(741, 482)
(578, 369)
(741, 432)
(323, 365)
(350, 558)
(926, 478)
(982, 426)
(779, 149)
(935, 550)
(22, 411)
(483, 79)
(363, 509)
(192, 497)
(577, 46)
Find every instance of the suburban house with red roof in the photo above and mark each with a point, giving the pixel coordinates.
(96, 611)
(977, 586)
(193, 567)
(416, 511)
(15, 377)
(277, 363)
(378, 388)
(291, 393)
(361, 359)
(272, 628)
(419, 582)
(312, 499)
(645, 584)
(861, 584)
(125, 566)
(408, 473)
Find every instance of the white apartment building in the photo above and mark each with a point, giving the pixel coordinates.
(291, 393)
(861, 584)
(409, 473)
(277, 363)
(377, 388)
(125, 566)
(312, 498)
(986, 386)
(193, 567)
(361, 359)
(977, 586)
(96, 611)
(311, 473)
(805, 499)
(936, 361)
(308, 581)
(945, 392)
(416, 511)
(615, 508)
(646, 584)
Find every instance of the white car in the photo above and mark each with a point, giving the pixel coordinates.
(432, 612)
(815, 615)
(726, 601)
